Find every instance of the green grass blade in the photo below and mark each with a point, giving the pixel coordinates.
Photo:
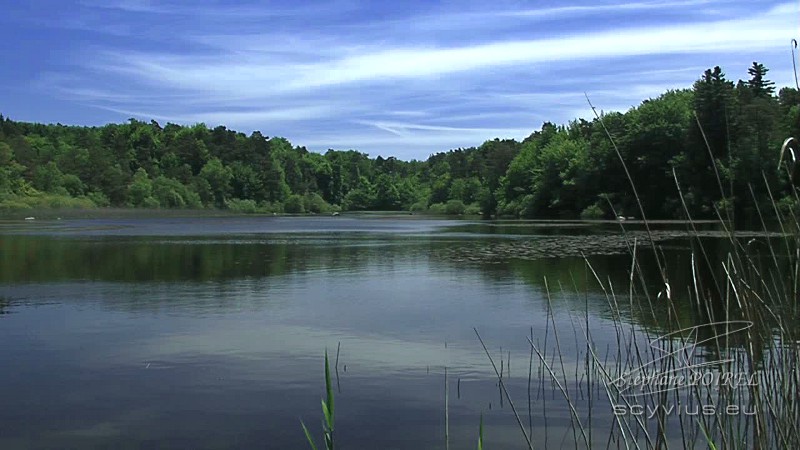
(710, 443)
(308, 436)
(480, 434)
(329, 390)
(326, 414)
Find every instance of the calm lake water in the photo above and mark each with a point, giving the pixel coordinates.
(210, 332)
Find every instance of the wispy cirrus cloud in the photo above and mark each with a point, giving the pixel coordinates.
(263, 74)
(146, 6)
(239, 10)
(597, 8)
(409, 79)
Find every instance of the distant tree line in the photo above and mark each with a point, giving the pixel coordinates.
(718, 139)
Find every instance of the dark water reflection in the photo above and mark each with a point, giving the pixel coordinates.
(209, 333)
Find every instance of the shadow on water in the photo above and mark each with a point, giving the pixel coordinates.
(227, 257)
(5, 306)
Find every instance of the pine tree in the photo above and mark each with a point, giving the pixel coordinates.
(713, 95)
(758, 83)
(708, 139)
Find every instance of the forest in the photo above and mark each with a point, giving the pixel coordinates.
(720, 140)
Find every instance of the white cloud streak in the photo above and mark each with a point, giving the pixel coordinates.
(605, 8)
(241, 11)
(262, 75)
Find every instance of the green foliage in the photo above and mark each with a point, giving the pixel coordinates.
(314, 203)
(73, 185)
(758, 82)
(559, 171)
(245, 182)
(251, 207)
(140, 190)
(412, 191)
(41, 200)
(151, 203)
(99, 199)
(419, 206)
(592, 212)
(359, 199)
(203, 189)
(548, 177)
(440, 189)
(47, 178)
(473, 210)
(294, 205)
(465, 189)
(788, 205)
(454, 207)
(242, 206)
(13, 204)
(387, 196)
(171, 193)
(11, 172)
(438, 208)
(217, 179)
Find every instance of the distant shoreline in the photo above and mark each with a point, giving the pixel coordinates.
(122, 213)
(136, 213)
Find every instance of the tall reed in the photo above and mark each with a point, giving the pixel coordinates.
(328, 410)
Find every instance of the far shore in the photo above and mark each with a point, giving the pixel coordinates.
(136, 213)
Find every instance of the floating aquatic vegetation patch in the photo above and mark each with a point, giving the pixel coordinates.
(575, 245)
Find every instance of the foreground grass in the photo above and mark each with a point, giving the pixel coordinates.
(328, 413)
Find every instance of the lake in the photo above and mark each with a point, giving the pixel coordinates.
(210, 332)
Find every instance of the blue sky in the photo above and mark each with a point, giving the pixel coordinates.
(393, 78)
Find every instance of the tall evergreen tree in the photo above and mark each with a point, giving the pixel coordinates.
(758, 83)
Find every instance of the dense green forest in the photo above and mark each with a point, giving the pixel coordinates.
(557, 172)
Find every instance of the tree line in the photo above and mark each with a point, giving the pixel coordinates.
(720, 140)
